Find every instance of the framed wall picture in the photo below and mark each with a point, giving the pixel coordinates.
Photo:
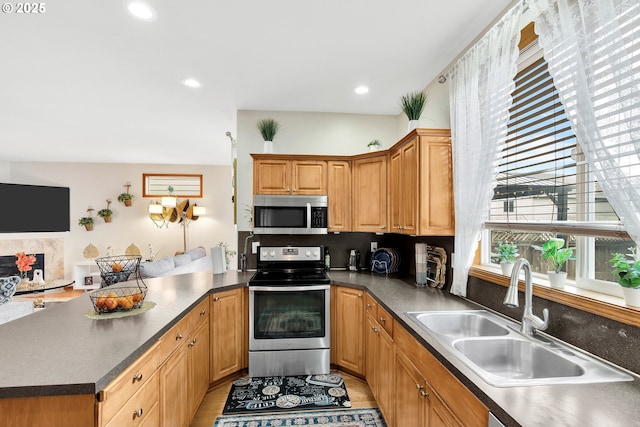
(183, 185)
(88, 280)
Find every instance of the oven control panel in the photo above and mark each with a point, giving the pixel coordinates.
(290, 253)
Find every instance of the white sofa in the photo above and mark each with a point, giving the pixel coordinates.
(189, 262)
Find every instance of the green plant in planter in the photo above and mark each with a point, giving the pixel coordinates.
(506, 252)
(627, 270)
(374, 143)
(105, 213)
(555, 251)
(413, 104)
(85, 220)
(125, 197)
(268, 128)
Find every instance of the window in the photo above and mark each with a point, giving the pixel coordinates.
(544, 187)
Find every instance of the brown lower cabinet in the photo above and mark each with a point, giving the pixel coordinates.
(348, 337)
(229, 319)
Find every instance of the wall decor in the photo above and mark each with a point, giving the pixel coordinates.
(184, 185)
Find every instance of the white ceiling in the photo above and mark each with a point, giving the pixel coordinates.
(87, 82)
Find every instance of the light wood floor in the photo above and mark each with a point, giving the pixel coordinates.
(213, 403)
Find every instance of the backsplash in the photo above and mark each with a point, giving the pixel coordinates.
(614, 341)
(340, 244)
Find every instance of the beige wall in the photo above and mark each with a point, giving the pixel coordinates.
(92, 183)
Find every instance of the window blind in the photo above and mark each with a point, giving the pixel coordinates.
(543, 181)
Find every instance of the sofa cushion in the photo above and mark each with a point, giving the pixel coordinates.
(182, 259)
(196, 253)
(157, 268)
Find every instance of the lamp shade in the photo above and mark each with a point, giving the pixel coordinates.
(155, 208)
(199, 210)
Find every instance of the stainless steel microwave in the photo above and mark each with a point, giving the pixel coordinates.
(290, 214)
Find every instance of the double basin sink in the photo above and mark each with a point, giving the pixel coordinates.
(493, 348)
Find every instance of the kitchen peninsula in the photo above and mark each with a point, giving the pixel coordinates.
(59, 353)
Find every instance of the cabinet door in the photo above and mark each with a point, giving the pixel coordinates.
(272, 176)
(198, 348)
(395, 191)
(339, 195)
(371, 355)
(174, 389)
(436, 182)
(370, 194)
(227, 333)
(309, 177)
(409, 191)
(386, 374)
(411, 406)
(350, 330)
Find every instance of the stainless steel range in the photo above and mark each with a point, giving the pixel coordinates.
(289, 312)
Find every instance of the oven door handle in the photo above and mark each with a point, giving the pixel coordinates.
(309, 216)
(288, 288)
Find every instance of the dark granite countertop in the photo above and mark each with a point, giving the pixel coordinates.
(60, 351)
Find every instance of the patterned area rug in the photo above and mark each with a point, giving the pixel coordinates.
(300, 393)
(369, 417)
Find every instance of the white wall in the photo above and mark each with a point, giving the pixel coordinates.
(326, 133)
(92, 183)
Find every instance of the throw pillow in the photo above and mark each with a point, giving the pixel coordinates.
(196, 253)
(156, 268)
(182, 259)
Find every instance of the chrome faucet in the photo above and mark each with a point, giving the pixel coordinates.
(530, 322)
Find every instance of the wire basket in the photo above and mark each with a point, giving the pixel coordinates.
(114, 269)
(118, 298)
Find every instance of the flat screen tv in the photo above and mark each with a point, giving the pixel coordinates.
(33, 208)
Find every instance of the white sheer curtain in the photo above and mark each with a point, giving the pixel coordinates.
(480, 94)
(593, 51)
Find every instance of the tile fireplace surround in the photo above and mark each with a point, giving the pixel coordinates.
(53, 250)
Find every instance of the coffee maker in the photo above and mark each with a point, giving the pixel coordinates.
(354, 260)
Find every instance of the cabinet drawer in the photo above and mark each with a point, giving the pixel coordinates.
(174, 337)
(385, 320)
(199, 314)
(142, 408)
(371, 305)
(125, 385)
(408, 345)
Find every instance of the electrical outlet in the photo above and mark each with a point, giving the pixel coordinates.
(374, 246)
(254, 247)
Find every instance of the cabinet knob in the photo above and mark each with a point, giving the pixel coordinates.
(192, 342)
(203, 312)
(178, 337)
(137, 377)
(418, 386)
(216, 299)
(383, 226)
(359, 295)
(383, 320)
(369, 305)
(137, 413)
(424, 394)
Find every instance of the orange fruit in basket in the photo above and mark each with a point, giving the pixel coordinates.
(116, 268)
(111, 301)
(125, 302)
(100, 301)
(137, 297)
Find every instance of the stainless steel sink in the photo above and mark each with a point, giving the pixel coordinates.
(493, 348)
(459, 324)
(516, 359)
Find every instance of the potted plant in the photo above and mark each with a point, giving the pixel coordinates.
(628, 275)
(125, 198)
(559, 255)
(268, 128)
(374, 145)
(412, 105)
(507, 254)
(87, 221)
(106, 212)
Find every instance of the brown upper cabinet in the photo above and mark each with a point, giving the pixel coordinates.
(285, 176)
(370, 194)
(421, 184)
(339, 192)
(407, 189)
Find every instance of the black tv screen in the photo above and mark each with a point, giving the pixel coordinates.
(33, 208)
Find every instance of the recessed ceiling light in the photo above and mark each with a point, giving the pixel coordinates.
(360, 90)
(191, 82)
(141, 10)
